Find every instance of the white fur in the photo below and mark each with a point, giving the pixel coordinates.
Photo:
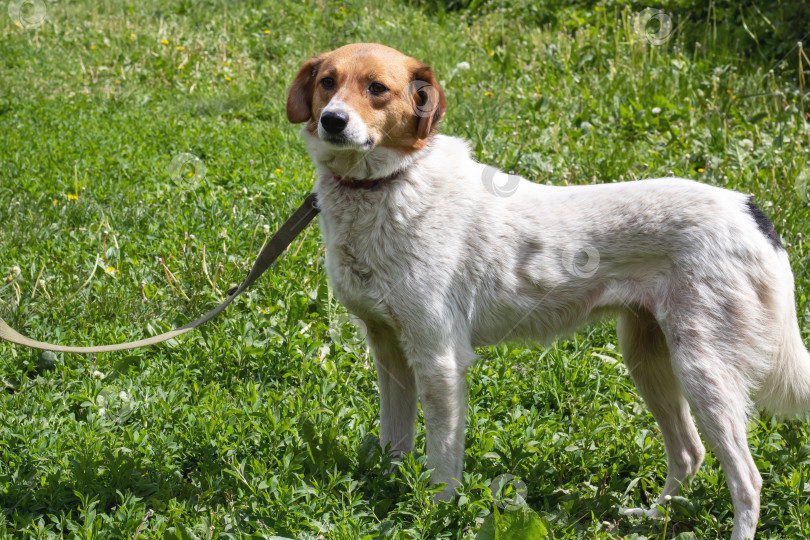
(436, 263)
(355, 134)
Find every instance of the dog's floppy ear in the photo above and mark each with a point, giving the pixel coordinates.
(429, 103)
(299, 99)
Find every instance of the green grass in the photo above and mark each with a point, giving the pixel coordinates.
(262, 422)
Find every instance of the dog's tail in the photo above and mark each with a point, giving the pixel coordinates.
(785, 391)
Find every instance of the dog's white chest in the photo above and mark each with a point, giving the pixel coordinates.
(361, 260)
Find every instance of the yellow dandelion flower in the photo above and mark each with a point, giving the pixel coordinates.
(133, 35)
(263, 310)
(279, 171)
(55, 202)
(227, 78)
(733, 96)
(164, 41)
(226, 64)
(111, 270)
(267, 31)
(180, 48)
(73, 197)
(92, 47)
(18, 23)
(181, 67)
(117, 81)
(488, 94)
(492, 54)
(701, 170)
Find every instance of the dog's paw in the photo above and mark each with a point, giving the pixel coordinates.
(641, 512)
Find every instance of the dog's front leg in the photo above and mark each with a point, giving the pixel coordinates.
(442, 386)
(397, 390)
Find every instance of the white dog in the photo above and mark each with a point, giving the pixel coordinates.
(439, 254)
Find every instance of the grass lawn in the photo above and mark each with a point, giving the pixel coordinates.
(145, 157)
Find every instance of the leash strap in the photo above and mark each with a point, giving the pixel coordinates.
(270, 252)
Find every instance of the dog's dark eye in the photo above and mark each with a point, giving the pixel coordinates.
(328, 83)
(377, 88)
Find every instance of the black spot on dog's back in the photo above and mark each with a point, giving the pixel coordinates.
(764, 224)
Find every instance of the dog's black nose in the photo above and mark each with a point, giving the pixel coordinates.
(334, 122)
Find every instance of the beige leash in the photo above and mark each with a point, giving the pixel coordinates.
(270, 252)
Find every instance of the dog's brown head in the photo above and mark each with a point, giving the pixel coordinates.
(365, 95)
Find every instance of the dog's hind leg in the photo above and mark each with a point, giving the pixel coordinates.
(645, 353)
(719, 398)
(397, 390)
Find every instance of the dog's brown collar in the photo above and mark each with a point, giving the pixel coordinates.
(365, 183)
